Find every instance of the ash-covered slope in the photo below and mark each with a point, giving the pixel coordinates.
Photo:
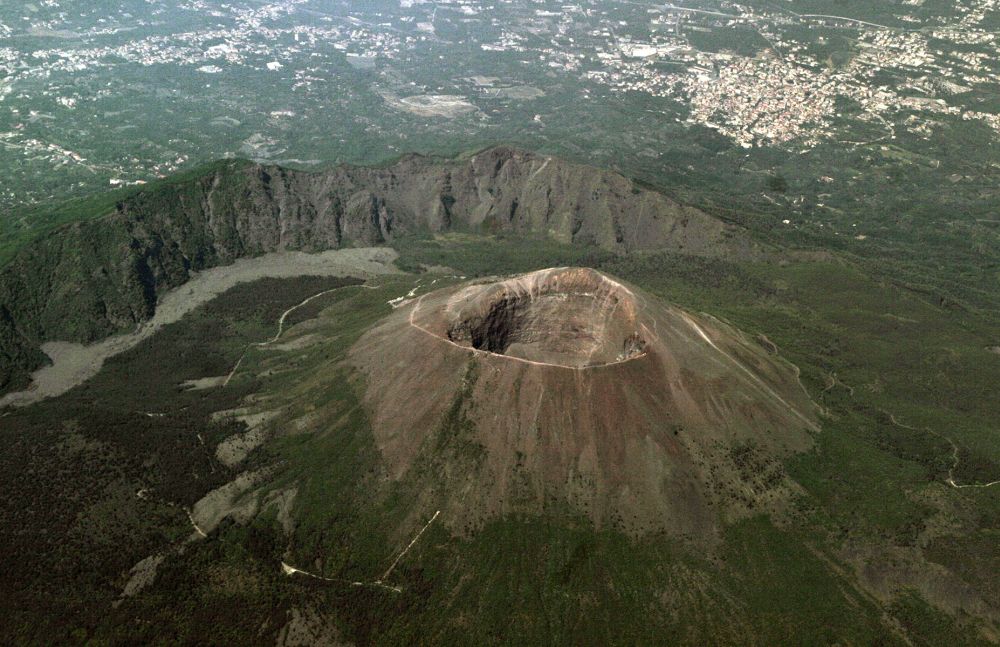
(87, 280)
(564, 389)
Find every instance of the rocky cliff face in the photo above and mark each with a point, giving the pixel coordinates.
(90, 279)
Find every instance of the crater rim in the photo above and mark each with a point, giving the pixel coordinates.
(574, 318)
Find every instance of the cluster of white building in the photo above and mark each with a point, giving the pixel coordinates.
(782, 94)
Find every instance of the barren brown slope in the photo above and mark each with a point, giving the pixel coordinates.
(566, 389)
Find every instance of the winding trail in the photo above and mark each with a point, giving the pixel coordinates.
(835, 381)
(392, 566)
(289, 570)
(760, 383)
(950, 480)
(194, 523)
(281, 324)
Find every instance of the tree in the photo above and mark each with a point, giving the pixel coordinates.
(777, 183)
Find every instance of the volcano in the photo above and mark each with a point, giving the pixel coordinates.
(568, 390)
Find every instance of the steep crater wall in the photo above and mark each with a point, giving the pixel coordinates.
(91, 279)
(576, 318)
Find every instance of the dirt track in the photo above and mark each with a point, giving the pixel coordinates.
(72, 364)
(281, 326)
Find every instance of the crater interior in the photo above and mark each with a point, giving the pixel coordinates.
(567, 317)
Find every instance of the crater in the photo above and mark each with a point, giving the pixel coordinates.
(570, 317)
(645, 443)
